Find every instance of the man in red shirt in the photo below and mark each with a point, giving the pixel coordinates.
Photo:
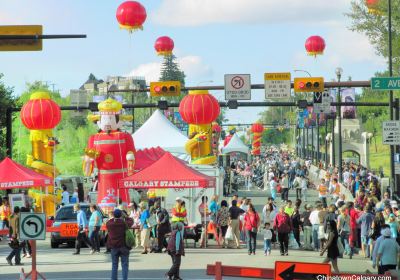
(354, 214)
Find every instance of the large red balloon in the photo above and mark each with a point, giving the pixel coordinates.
(131, 15)
(164, 45)
(199, 107)
(40, 112)
(315, 45)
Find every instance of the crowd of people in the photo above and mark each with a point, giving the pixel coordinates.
(365, 223)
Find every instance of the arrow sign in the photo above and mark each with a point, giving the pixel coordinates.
(289, 274)
(300, 270)
(30, 223)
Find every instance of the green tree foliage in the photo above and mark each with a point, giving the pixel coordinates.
(170, 70)
(6, 100)
(375, 27)
(273, 136)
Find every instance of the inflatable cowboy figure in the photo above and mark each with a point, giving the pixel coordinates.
(110, 150)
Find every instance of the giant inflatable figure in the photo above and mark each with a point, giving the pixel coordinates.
(41, 115)
(199, 109)
(111, 151)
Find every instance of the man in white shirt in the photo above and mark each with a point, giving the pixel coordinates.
(314, 219)
(65, 196)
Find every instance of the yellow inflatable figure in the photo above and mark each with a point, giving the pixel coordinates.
(40, 115)
(200, 109)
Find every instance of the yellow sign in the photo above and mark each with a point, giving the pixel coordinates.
(161, 192)
(277, 86)
(21, 44)
(277, 76)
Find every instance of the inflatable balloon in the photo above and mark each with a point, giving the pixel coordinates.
(111, 151)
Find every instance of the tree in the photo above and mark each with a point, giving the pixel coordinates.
(170, 70)
(6, 100)
(375, 27)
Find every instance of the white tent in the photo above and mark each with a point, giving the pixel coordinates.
(235, 145)
(158, 131)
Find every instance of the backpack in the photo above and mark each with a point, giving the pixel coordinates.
(130, 238)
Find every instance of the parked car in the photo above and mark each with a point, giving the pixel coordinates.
(65, 220)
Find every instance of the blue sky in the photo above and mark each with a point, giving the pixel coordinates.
(212, 38)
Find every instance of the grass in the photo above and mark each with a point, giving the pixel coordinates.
(380, 157)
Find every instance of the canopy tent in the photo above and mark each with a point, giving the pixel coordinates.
(235, 145)
(158, 131)
(15, 176)
(146, 157)
(167, 172)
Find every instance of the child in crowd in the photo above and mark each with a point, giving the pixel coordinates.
(266, 231)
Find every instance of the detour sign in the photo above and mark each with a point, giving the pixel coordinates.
(69, 230)
(299, 270)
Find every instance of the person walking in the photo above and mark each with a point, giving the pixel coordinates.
(95, 222)
(307, 226)
(285, 187)
(283, 225)
(331, 246)
(223, 221)
(214, 207)
(314, 219)
(64, 196)
(267, 233)
(144, 227)
(234, 214)
(251, 225)
(5, 213)
(82, 223)
(296, 222)
(116, 242)
(323, 192)
(343, 227)
(135, 216)
(388, 252)
(377, 245)
(15, 242)
(366, 220)
(163, 226)
(176, 250)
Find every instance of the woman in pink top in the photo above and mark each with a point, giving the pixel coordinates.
(251, 225)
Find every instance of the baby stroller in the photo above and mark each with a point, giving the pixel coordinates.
(193, 233)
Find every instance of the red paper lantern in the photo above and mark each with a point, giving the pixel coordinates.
(315, 45)
(199, 107)
(373, 6)
(216, 127)
(131, 15)
(40, 112)
(257, 128)
(164, 45)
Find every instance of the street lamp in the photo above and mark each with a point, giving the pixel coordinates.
(339, 72)
(299, 70)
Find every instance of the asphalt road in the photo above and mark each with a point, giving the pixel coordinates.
(60, 264)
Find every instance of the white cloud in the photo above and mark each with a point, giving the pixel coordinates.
(202, 12)
(192, 65)
(151, 71)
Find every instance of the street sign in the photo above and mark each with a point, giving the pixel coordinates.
(391, 133)
(300, 270)
(322, 102)
(385, 83)
(21, 44)
(237, 87)
(32, 226)
(277, 85)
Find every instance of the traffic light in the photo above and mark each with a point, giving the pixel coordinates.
(310, 84)
(167, 88)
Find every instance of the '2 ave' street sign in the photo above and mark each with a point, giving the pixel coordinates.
(385, 83)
